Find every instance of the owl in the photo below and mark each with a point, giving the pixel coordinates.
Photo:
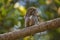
(31, 17)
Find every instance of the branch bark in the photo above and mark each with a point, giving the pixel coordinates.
(43, 26)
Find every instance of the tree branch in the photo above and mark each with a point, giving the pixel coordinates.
(43, 26)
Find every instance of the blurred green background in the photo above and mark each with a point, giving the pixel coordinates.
(12, 16)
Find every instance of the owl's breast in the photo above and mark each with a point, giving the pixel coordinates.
(31, 21)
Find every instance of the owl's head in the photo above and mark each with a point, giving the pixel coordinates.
(31, 11)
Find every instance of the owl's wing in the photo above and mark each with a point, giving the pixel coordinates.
(26, 21)
(39, 19)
